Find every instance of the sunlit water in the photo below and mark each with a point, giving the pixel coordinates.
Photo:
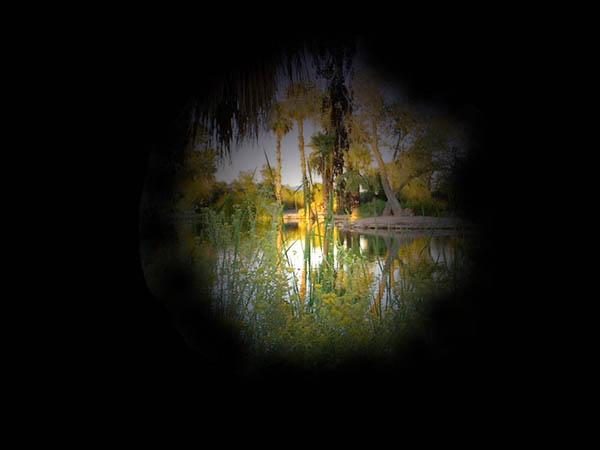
(387, 254)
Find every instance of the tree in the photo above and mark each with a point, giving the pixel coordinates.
(321, 162)
(268, 183)
(358, 161)
(281, 124)
(196, 178)
(302, 101)
(236, 107)
(367, 125)
(429, 148)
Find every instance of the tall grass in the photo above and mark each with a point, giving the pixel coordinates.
(328, 315)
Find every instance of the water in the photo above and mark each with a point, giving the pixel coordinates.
(390, 256)
(311, 293)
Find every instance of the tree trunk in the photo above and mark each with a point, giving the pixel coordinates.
(392, 201)
(387, 211)
(325, 192)
(302, 291)
(393, 246)
(352, 196)
(278, 171)
(353, 201)
(339, 193)
(303, 164)
(329, 180)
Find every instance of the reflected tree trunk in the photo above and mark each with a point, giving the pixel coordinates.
(303, 284)
(387, 276)
(328, 235)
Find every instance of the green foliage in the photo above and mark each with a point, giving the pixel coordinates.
(358, 162)
(254, 287)
(245, 193)
(195, 180)
(322, 151)
(372, 182)
(428, 147)
(429, 163)
(371, 209)
(426, 206)
(267, 185)
(332, 309)
(279, 119)
(292, 199)
(303, 101)
(322, 148)
(359, 157)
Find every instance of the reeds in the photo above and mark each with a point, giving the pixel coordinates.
(345, 300)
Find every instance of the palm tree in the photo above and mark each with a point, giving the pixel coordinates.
(302, 99)
(236, 106)
(280, 124)
(358, 161)
(321, 161)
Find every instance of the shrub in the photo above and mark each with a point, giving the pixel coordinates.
(373, 208)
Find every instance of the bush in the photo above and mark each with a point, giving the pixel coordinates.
(426, 206)
(420, 207)
(373, 208)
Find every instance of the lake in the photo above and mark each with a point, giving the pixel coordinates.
(310, 295)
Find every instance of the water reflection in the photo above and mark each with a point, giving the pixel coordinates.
(318, 292)
(392, 257)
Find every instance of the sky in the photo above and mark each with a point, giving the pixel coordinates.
(251, 156)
